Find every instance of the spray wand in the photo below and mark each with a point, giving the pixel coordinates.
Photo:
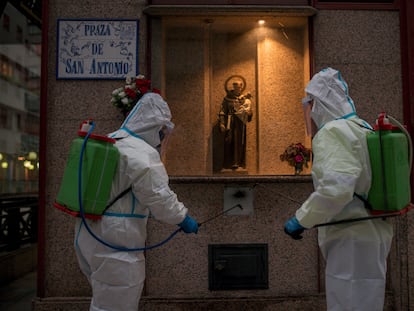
(382, 216)
(219, 214)
(343, 221)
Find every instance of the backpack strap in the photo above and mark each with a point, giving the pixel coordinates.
(122, 193)
(366, 203)
(118, 197)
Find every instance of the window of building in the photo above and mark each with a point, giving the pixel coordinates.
(6, 22)
(19, 123)
(206, 65)
(5, 118)
(19, 34)
(6, 67)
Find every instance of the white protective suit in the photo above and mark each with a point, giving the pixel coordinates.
(355, 253)
(117, 277)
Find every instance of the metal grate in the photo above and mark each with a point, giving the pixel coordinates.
(238, 266)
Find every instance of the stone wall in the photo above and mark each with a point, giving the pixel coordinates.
(364, 45)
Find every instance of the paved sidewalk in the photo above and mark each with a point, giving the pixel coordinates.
(18, 295)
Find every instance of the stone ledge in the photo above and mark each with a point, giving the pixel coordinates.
(308, 303)
(241, 179)
(229, 10)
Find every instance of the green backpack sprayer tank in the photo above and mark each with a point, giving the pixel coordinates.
(87, 183)
(390, 150)
(99, 163)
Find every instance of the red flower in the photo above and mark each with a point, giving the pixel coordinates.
(300, 147)
(130, 92)
(143, 82)
(299, 158)
(143, 89)
(296, 155)
(134, 89)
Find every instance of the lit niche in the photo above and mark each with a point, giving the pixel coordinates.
(234, 86)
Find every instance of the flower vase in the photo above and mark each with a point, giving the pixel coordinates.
(298, 169)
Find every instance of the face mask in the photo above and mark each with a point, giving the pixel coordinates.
(164, 135)
(307, 105)
(318, 114)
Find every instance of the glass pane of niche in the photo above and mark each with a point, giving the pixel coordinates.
(234, 87)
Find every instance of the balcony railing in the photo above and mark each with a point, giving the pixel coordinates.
(18, 220)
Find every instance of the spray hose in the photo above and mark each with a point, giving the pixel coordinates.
(120, 248)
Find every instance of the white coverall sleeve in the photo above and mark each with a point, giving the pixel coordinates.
(335, 171)
(152, 190)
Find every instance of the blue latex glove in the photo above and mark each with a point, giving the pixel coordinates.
(294, 228)
(189, 225)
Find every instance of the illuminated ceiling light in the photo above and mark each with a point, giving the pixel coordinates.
(1, 156)
(261, 22)
(4, 165)
(20, 158)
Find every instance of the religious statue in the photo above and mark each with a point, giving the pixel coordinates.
(234, 114)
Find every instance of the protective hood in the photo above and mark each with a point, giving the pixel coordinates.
(329, 93)
(146, 119)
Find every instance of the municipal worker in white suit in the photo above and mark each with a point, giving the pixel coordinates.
(117, 277)
(355, 253)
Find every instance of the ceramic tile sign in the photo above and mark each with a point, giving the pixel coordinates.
(97, 49)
